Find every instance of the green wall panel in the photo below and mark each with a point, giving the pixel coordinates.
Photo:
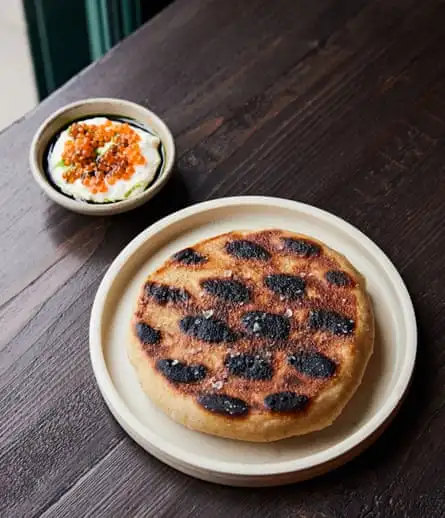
(58, 39)
(65, 36)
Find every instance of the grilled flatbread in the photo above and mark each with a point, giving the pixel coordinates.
(255, 336)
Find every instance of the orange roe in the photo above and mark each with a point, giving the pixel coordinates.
(99, 171)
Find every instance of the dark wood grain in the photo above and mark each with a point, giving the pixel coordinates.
(340, 104)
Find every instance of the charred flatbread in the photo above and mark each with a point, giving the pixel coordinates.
(255, 336)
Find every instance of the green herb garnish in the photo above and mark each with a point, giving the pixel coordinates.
(131, 191)
(61, 163)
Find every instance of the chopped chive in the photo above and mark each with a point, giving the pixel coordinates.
(130, 191)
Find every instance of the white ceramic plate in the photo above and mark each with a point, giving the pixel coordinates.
(227, 461)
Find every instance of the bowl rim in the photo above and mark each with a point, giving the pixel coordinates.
(83, 207)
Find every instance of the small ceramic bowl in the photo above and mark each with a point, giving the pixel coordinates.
(99, 107)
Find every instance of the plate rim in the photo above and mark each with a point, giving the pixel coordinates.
(146, 438)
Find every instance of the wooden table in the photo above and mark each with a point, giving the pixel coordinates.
(340, 104)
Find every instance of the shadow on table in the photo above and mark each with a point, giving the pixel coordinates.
(105, 236)
(174, 196)
(385, 457)
(376, 470)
